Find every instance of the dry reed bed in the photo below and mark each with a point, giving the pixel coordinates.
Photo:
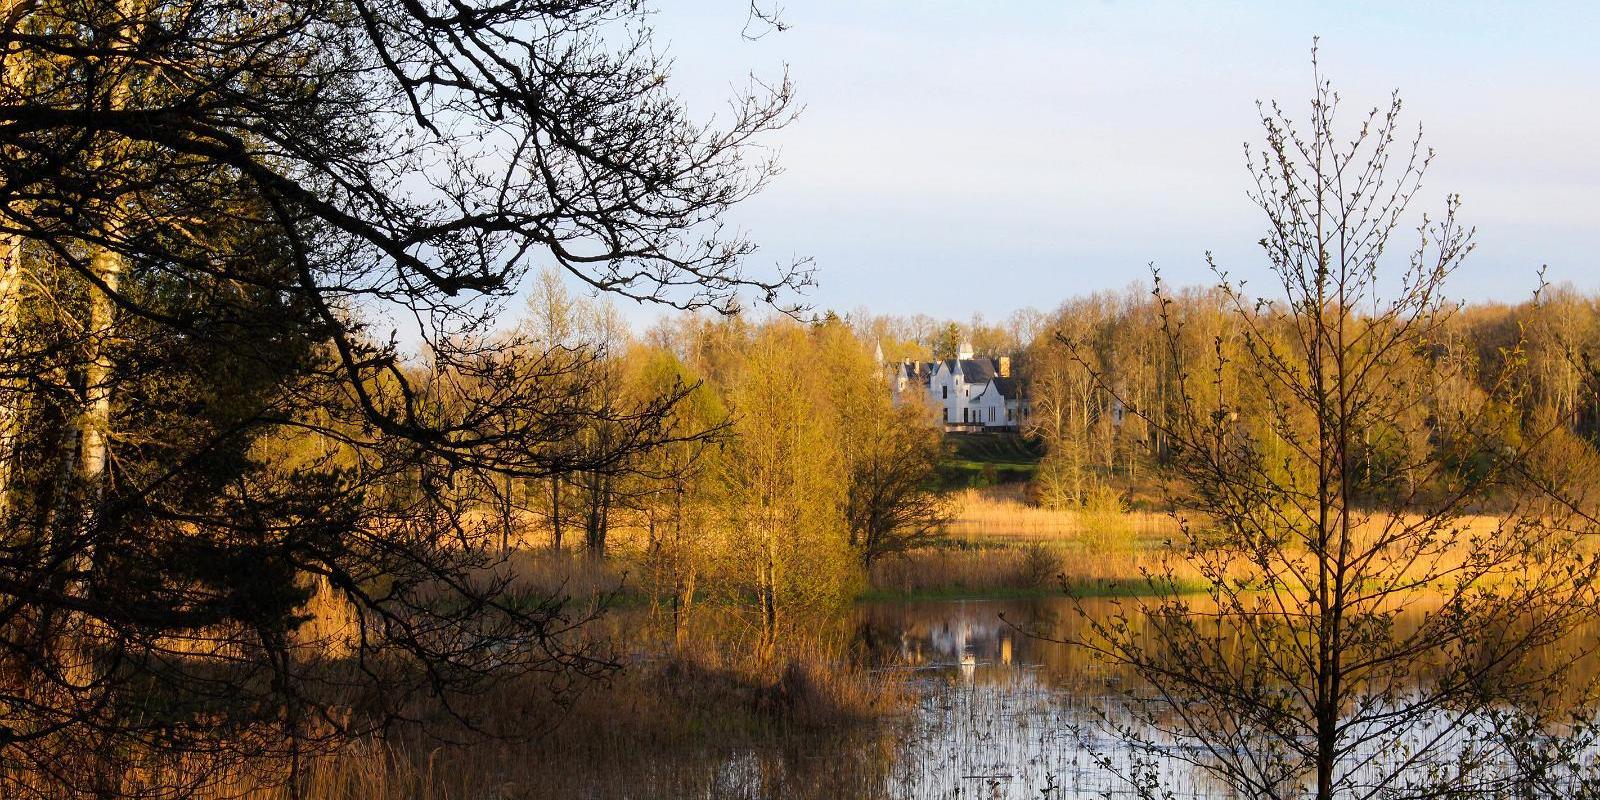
(1000, 543)
(1004, 515)
(669, 719)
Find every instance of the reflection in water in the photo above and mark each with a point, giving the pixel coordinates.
(1001, 715)
(989, 639)
(1011, 715)
(1005, 714)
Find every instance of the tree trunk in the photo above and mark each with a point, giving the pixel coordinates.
(598, 516)
(605, 518)
(95, 421)
(769, 600)
(107, 266)
(555, 513)
(592, 544)
(684, 566)
(683, 606)
(506, 518)
(10, 398)
(1327, 742)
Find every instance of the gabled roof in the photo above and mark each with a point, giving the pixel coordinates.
(977, 370)
(1005, 387)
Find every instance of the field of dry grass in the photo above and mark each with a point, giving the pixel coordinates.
(1003, 514)
(1000, 545)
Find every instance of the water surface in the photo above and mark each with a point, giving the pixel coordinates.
(1002, 712)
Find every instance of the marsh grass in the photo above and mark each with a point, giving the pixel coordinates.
(671, 718)
(1035, 568)
(1004, 514)
(1001, 545)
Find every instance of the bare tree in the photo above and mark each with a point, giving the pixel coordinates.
(891, 505)
(1345, 646)
(1070, 409)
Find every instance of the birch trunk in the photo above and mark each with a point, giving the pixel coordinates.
(95, 422)
(15, 73)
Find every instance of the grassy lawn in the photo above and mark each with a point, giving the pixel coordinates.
(987, 459)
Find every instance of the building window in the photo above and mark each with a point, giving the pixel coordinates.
(966, 415)
(946, 391)
(947, 416)
(991, 413)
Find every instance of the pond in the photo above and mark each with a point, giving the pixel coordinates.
(1006, 714)
(999, 714)
(1003, 714)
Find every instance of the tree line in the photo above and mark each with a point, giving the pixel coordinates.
(1107, 379)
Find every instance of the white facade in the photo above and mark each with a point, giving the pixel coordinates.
(971, 393)
(993, 408)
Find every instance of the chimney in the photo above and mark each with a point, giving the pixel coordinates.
(1005, 366)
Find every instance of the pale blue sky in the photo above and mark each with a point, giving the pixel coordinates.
(982, 156)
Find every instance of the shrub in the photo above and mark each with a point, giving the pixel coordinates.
(1040, 563)
(1104, 518)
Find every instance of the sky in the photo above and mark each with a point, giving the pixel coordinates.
(955, 158)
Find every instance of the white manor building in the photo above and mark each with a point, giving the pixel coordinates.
(974, 393)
